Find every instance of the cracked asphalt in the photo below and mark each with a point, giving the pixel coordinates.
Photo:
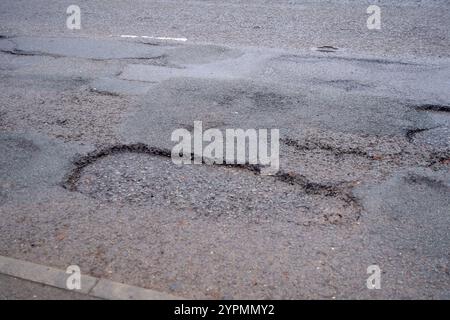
(86, 119)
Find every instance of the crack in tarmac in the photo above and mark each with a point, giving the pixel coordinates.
(309, 146)
(411, 133)
(19, 52)
(432, 107)
(305, 58)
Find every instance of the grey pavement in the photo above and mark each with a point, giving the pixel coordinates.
(21, 279)
(86, 118)
(18, 289)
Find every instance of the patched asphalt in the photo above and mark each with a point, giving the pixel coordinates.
(85, 179)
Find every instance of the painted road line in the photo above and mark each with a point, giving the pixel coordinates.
(153, 38)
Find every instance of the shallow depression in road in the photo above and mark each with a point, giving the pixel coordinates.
(143, 179)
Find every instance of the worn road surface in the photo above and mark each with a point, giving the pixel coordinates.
(86, 118)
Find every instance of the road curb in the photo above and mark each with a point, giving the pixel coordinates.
(92, 286)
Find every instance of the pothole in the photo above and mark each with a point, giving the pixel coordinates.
(331, 158)
(142, 175)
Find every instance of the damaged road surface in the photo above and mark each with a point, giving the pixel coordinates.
(86, 176)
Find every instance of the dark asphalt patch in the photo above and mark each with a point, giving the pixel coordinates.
(261, 100)
(15, 152)
(245, 104)
(201, 54)
(438, 135)
(429, 182)
(347, 85)
(267, 101)
(83, 48)
(32, 161)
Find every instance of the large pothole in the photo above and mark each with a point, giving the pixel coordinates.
(140, 175)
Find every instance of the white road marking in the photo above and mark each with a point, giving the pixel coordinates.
(165, 38)
(128, 36)
(155, 38)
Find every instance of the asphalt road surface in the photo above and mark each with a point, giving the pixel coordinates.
(86, 118)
